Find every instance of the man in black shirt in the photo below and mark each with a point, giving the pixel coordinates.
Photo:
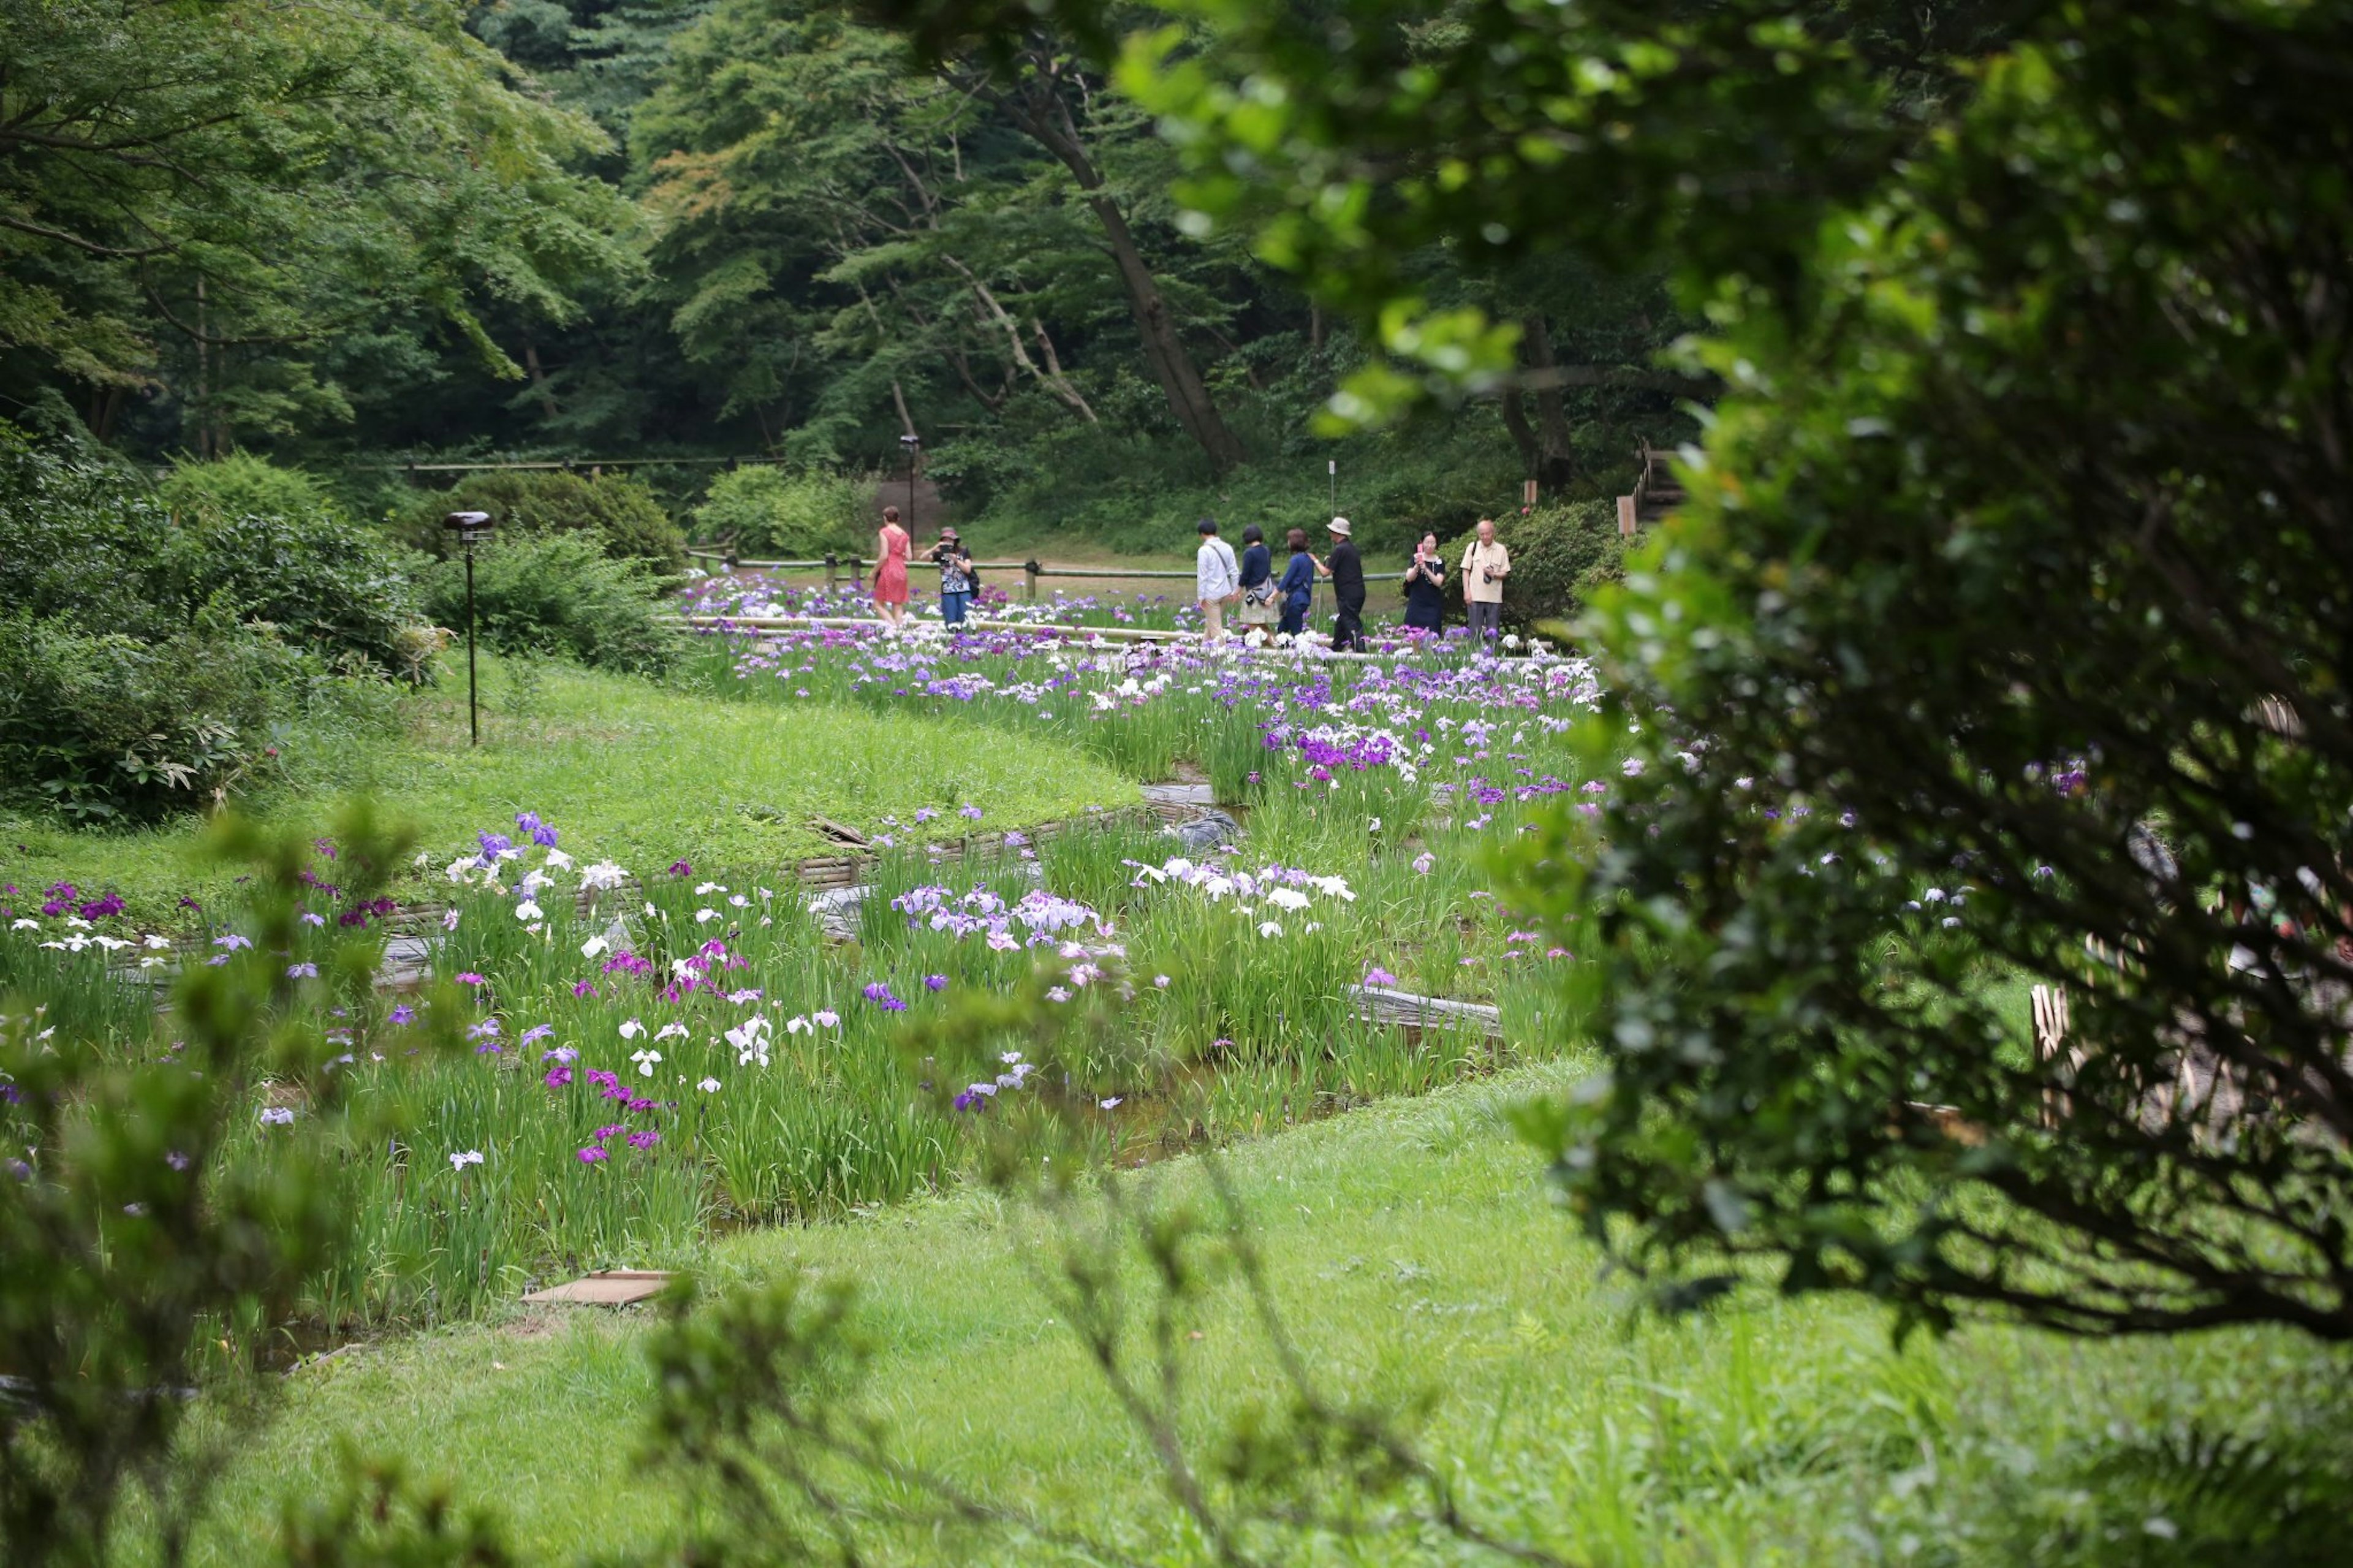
(1347, 574)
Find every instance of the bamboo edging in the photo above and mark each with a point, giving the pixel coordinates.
(1230, 642)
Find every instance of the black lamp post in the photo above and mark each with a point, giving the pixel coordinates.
(911, 444)
(468, 527)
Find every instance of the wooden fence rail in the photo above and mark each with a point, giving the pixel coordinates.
(831, 566)
(593, 467)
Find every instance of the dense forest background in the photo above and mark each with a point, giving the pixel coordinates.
(722, 228)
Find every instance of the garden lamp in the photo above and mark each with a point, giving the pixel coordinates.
(467, 527)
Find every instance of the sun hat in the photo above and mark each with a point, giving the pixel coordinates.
(1339, 525)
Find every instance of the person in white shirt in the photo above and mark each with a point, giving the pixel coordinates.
(1485, 564)
(1217, 580)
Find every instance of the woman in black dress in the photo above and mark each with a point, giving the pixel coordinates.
(1425, 584)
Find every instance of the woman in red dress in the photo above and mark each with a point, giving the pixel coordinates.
(891, 571)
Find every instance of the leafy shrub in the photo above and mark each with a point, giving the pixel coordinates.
(104, 726)
(79, 540)
(2004, 558)
(242, 485)
(767, 511)
(558, 593)
(1560, 554)
(144, 661)
(624, 517)
(320, 579)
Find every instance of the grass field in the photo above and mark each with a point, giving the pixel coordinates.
(642, 773)
(1412, 1249)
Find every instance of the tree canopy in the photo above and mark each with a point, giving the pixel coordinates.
(621, 227)
(243, 207)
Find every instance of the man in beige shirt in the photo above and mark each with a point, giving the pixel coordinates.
(1485, 564)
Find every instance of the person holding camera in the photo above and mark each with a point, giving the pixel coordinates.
(1485, 564)
(957, 579)
(1425, 587)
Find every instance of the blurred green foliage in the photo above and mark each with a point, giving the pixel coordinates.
(149, 1276)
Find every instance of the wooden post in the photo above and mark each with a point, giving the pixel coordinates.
(1626, 516)
(831, 566)
(1029, 586)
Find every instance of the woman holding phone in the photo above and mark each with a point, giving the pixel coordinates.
(1425, 587)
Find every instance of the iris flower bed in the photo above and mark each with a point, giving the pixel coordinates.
(657, 1049)
(1430, 706)
(754, 593)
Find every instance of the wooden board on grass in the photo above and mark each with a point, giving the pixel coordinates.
(610, 1288)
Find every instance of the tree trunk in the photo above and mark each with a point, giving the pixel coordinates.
(1039, 112)
(1523, 436)
(1555, 450)
(204, 378)
(538, 379)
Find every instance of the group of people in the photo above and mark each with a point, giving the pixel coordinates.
(1263, 600)
(1279, 603)
(892, 547)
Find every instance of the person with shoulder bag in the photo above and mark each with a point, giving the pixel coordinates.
(959, 581)
(1216, 580)
(1258, 607)
(1485, 564)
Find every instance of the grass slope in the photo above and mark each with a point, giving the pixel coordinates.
(1414, 1251)
(624, 768)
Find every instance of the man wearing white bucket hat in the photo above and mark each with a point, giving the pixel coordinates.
(1347, 573)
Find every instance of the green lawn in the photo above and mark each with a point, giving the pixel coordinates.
(1412, 1247)
(622, 767)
